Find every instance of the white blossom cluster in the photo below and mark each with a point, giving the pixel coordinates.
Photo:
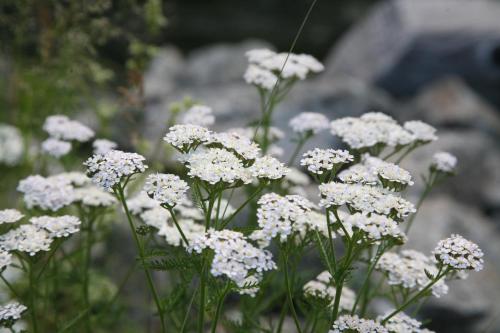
(311, 221)
(186, 137)
(92, 196)
(200, 115)
(51, 193)
(319, 161)
(371, 129)
(109, 169)
(354, 324)
(374, 226)
(444, 162)
(268, 168)
(10, 216)
(260, 77)
(5, 259)
(277, 214)
(236, 143)
(234, 256)
(57, 226)
(102, 146)
(140, 203)
(401, 322)
(62, 128)
(391, 173)
(407, 270)
(359, 174)
(11, 145)
(322, 287)
(274, 133)
(167, 189)
(26, 238)
(421, 131)
(309, 122)
(458, 253)
(55, 147)
(11, 312)
(364, 198)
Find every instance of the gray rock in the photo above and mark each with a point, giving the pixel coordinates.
(164, 71)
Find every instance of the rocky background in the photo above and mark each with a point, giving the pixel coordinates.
(438, 61)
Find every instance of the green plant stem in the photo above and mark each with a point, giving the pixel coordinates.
(218, 311)
(331, 269)
(11, 288)
(121, 197)
(172, 214)
(250, 198)
(32, 291)
(203, 287)
(284, 256)
(188, 310)
(428, 187)
(57, 244)
(86, 267)
(299, 146)
(330, 239)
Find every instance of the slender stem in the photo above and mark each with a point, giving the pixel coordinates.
(284, 256)
(299, 146)
(218, 311)
(409, 150)
(172, 214)
(188, 310)
(11, 288)
(203, 282)
(86, 266)
(32, 291)
(330, 238)
(423, 196)
(121, 197)
(52, 252)
(250, 198)
(323, 252)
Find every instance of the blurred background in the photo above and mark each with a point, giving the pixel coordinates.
(118, 66)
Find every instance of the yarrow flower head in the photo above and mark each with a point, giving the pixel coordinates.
(187, 137)
(109, 169)
(375, 227)
(55, 147)
(260, 77)
(102, 146)
(354, 324)
(216, 165)
(92, 196)
(444, 162)
(268, 168)
(26, 238)
(200, 115)
(234, 256)
(10, 313)
(167, 189)
(392, 176)
(63, 128)
(401, 322)
(10, 216)
(52, 193)
(309, 123)
(457, 253)
(11, 145)
(319, 161)
(240, 145)
(322, 287)
(421, 131)
(58, 226)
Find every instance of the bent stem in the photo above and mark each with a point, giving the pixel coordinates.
(172, 214)
(284, 256)
(220, 303)
(121, 196)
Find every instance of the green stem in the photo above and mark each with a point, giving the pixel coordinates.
(289, 290)
(11, 288)
(188, 310)
(323, 252)
(250, 198)
(149, 279)
(172, 214)
(86, 267)
(218, 311)
(299, 146)
(32, 291)
(330, 239)
(423, 196)
(203, 282)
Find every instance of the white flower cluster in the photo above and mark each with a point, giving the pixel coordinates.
(92, 196)
(102, 146)
(322, 287)
(421, 131)
(407, 270)
(260, 77)
(311, 221)
(57, 226)
(390, 173)
(108, 170)
(309, 122)
(458, 253)
(371, 129)
(62, 128)
(5, 259)
(140, 203)
(51, 193)
(354, 324)
(374, 226)
(10, 216)
(319, 161)
(401, 322)
(11, 145)
(234, 256)
(444, 162)
(276, 215)
(26, 238)
(268, 168)
(186, 137)
(289, 66)
(215, 165)
(200, 115)
(167, 189)
(236, 143)
(55, 147)
(11, 312)
(364, 198)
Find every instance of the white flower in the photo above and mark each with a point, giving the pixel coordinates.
(200, 115)
(26, 238)
(56, 147)
(236, 143)
(377, 117)
(360, 174)
(74, 178)
(354, 324)
(400, 323)
(187, 137)
(10, 216)
(140, 203)
(297, 177)
(57, 226)
(166, 188)
(234, 256)
(52, 193)
(109, 169)
(216, 165)
(421, 131)
(375, 226)
(458, 253)
(323, 288)
(320, 160)
(250, 285)
(5, 259)
(102, 146)
(11, 145)
(309, 122)
(256, 56)
(408, 270)
(268, 167)
(92, 196)
(311, 221)
(444, 162)
(260, 77)
(391, 173)
(61, 127)
(11, 312)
